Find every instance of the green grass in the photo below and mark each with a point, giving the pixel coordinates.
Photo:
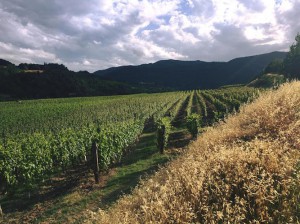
(145, 159)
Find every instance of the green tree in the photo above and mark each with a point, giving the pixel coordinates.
(275, 67)
(292, 60)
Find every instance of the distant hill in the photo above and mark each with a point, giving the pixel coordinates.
(34, 81)
(5, 63)
(192, 74)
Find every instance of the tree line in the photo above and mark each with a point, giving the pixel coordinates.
(290, 66)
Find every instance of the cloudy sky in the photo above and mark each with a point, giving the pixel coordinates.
(97, 34)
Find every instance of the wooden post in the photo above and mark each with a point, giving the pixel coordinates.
(1, 213)
(95, 162)
(162, 133)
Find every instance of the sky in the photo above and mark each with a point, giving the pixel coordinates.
(98, 34)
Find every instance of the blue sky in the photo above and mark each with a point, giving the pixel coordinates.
(97, 34)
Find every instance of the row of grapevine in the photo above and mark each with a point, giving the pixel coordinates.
(220, 106)
(26, 157)
(45, 136)
(53, 115)
(173, 111)
(196, 108)
(190, 103)
(202, 104)
(174, 115)
(215, 104)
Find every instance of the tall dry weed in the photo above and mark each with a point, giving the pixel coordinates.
(245, 170)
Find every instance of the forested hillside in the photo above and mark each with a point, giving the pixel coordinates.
(280, 70)
(34, 81)
(192, 74)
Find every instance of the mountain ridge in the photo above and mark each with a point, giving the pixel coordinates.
(35, 81)
(192, 74)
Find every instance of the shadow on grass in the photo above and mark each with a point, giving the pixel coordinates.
(128, 178)
(144, 160)
(144, 148)
(179, 138)
(24, 199)
(66, 182)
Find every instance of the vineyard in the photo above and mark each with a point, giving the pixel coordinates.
(43, 137)
(243, 170)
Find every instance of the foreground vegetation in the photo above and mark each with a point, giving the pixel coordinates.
(243, 170)
(45, 138)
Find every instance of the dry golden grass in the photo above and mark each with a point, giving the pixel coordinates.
(243, 170)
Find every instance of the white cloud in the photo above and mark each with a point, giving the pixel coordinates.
(25, 55)
(96, 34)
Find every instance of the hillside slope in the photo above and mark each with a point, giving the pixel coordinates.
(193, 74)
(34, 81)
(244, 170)
(4, 62)
(267, 81)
